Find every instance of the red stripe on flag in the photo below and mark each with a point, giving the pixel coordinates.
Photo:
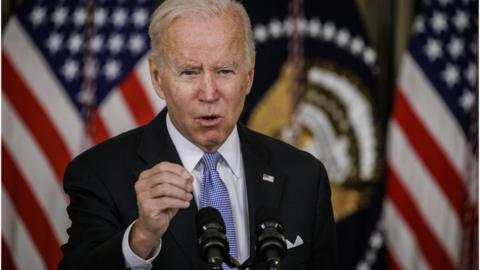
(432, 156)
(100, 132)
(28, 209)
(434, 253)
(134, 94)
(392, 261)
(34, 117)
(7, 261)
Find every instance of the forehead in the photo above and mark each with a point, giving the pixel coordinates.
(195, 36)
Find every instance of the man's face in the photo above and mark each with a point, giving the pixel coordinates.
(203, 77)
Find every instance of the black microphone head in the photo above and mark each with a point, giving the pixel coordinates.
(265, 213)
(212, 239)
(271, 242)
(209, 215)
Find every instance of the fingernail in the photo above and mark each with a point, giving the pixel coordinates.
(187, 204)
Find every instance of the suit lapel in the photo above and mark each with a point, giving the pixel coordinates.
(260, 192)
(156, 146)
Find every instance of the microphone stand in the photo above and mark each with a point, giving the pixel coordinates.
(230, 261)
(249, 263)
(254, 261)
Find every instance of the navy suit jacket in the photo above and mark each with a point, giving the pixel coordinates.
(100, 183)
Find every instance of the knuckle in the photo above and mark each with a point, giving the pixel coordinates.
(162, 166)
(143, 174)
(186, 175)
(162, 190)
(138, 186)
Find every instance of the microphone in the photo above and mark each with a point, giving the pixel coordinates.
(212, 239)
(271, 243)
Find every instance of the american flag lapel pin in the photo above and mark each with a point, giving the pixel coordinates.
(268, 178)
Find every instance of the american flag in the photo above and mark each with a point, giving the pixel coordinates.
(432, 172)
(74, 73)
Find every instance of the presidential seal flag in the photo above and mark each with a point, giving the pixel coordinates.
(74, 73)
(316, 87)
(431, 209)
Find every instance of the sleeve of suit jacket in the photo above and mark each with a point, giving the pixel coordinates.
(325, 243)
(96, 233)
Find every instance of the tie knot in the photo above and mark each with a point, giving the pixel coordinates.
(210, 160)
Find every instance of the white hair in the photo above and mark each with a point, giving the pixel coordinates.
(172, 9)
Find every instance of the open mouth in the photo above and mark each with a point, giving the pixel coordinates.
(210, 117)
(209, 120)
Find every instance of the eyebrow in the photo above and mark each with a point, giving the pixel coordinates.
(187, 66)
(232, 64)
(200, 66)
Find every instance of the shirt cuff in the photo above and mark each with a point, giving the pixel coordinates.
(133, 261)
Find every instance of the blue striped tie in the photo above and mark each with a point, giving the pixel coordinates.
(215, 194)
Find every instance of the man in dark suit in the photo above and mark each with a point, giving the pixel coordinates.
(133, 199)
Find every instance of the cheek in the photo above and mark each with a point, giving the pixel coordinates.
(237, 89)
(235, 104)
(180, 96)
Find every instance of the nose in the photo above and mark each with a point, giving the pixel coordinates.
(209, 91)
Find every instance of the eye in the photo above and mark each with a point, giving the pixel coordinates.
(225, 71)
(189, 72)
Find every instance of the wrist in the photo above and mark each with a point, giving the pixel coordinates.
(142, 242)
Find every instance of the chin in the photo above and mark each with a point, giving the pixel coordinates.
(212, 143)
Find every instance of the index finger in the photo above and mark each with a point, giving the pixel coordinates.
(166, 166)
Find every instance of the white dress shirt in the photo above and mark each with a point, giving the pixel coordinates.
(230, 169)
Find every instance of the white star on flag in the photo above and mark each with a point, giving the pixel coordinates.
(75, 43)
(419, 24)
(79, 16)
(96, 43)
(111, 69)
(59, 16)
(136, 43)
(467, 100)
(460, 20)
(54, 42)
(471, 73)
(455, 47)
(450, 75)
(70, 69)
(119, 17)
(99, 17)
(115, 43)
(37, 16)
(439, 22)
(140, 17)
(433, 49)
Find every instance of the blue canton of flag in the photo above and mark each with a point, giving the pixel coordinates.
(119, 40)
(444, 45)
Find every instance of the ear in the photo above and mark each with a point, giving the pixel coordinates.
(155, 76)
(250, 74)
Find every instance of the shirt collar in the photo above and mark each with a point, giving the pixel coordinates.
(190, 154)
